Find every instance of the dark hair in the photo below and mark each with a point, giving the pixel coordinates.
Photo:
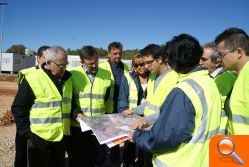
(214, 55)
(161, 53)
(234, 38)
(87, 52)
(41, 50)
(149, 49)
(183, 53)
(226, 34)
(117, 45)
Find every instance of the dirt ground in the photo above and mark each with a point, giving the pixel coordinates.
(8, 89)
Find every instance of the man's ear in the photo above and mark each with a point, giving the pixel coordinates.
(159, 60)
(240, 53)
(48, 64)
(218, 62)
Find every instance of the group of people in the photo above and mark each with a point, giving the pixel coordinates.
(184, 93)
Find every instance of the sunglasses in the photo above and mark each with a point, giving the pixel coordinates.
(140, 65)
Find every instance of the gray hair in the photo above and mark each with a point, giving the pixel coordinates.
(53, 51)
(214, 55)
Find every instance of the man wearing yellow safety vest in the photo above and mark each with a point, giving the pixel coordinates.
(21, 141)
(117, 69)
(189, 116)
(91, 89)
(233, 50)
(132, 93)
(41, 109)
(161, 82)
(224, 79)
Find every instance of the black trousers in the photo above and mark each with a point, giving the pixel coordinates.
(43, 153)
(129, 154)
(21, 151)
(84, 149)
(147, 159)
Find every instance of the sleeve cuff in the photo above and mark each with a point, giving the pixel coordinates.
(152, 118)
(139, 109)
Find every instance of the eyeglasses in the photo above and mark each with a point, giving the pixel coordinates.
(60, 65)
(90, 64)
(149, 62)
(140, 65)
(222, 55)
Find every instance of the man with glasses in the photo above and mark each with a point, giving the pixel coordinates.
(161, 82)
(223, 79)
(21, 141)
(147, 53)
(91, 92)
(41, 109)
(210, 60)
(233, 50)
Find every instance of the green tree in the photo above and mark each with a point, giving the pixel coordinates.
(102, 52)
(17, 49)
(72, 52)
(128, 54)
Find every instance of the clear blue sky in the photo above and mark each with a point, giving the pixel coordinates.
(135, 23)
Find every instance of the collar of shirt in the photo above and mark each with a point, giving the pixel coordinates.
(216, 72)
(116, 66)
(89, 74)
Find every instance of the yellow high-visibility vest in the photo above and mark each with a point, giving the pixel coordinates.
(90, 97)
(23, 72)
(204, 95)
(133, 91)
(239, 103)
(155, 98)
(50, 113)
(110, 103)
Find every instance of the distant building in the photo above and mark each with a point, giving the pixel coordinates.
(12, 63)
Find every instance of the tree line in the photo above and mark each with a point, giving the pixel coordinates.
(127, 54)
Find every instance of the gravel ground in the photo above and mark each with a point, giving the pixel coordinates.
(7, 146)
(7, 133)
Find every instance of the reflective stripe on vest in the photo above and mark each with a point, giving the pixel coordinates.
(89, 95)
(49, 120)
(47, 105)
(52, 104)
(240, 119)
